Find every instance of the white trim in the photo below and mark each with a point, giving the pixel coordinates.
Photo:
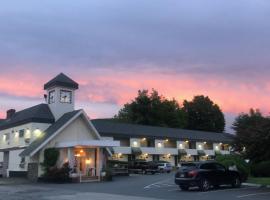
(94, 143)
(56, 133)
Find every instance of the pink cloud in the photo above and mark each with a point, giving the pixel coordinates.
(119, 87)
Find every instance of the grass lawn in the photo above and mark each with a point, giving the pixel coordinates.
(259, 180)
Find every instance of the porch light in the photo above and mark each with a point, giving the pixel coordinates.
(135, 143)
(16, 134)
(186, 141)
(216, 147)
(167, 140)
(88, 161)
(78, 155)
(4, 137)
(220, 143)
(204, 142)
(120, 154)
(181, 146)
(37, 132)
(81, 151)
(188, 155)
(206, 155)
(159, 145)
(146, 154)
(200, 146)
(144, 139)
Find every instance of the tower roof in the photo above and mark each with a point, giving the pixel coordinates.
(61, 80)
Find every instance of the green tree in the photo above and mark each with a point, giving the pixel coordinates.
(152, 109)
(204, 115)
(253, 135)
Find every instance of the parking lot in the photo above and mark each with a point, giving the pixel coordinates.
(134, 187)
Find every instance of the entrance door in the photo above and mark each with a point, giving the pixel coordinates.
(86, 161)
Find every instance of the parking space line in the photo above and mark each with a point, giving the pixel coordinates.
(225, 190)
(254, 194)
(158, 184)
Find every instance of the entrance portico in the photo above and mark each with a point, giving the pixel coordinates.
(85, 158)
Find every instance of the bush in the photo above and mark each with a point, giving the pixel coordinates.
(50, 158)
(58, 175)
(261, 169)
(238, 161)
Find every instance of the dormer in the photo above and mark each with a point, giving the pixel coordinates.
(61, 94)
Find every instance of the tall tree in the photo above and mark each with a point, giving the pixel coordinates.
(204, 115)
(152, 109)
(253, 135)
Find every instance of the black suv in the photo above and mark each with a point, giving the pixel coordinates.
(205, 174)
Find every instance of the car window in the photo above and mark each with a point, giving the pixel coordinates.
(208, 166)
(220, 167)
(188, 165)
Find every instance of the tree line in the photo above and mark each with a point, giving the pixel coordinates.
(150, 108)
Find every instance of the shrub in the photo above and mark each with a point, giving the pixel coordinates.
(261, 169)
(50, 158)
(238, 161)
(58, 175)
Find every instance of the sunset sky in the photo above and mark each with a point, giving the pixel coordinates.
(114, 48)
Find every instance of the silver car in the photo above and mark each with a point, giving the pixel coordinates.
(165, 167)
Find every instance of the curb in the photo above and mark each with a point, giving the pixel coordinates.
(255, 185)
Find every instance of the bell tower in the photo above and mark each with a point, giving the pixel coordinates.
(61, 94)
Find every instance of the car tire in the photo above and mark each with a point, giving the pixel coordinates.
(153, 173)
(236, 182)
(204, 185)
(184, 187)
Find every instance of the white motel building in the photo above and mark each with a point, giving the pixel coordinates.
(88, 144)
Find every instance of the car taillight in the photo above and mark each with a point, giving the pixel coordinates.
(192, 173)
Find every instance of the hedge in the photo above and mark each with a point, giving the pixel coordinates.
(238, 161)
(261, 169)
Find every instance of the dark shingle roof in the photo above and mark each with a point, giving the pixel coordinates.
(111, 128)
(49, 132)
(61, 80)
(40, 113)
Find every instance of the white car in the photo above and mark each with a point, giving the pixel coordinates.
(165, 167)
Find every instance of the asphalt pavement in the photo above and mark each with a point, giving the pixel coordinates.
(134, 187)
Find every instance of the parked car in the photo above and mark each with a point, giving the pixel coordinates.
(142, 166)
(164, 167)
(205, 174)
(118, 167)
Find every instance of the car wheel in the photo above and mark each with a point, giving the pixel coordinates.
(204, 185)
(184, 187)
(153, 173)
(236, 182)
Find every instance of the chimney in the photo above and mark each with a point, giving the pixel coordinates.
(10, 113)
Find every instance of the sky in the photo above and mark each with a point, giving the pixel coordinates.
(113, 48)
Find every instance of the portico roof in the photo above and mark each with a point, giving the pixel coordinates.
(89, 143)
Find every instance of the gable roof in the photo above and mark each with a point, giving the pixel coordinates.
(112, 128)
(49, 132)
(61, 80)
(56, 128)
(40, 113)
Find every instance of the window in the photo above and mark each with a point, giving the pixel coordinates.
(220, 167)
(52, 96)
(65, 96)
(208, 166)
(21, 133)
(192, 145)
